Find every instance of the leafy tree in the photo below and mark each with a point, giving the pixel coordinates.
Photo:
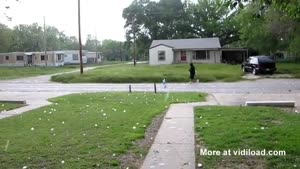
(5, 38)
(211, 18)
(91, 43)
(113, 50)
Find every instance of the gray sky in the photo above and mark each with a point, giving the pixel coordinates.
(101, 17)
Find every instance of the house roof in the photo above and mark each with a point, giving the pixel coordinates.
(199, 43)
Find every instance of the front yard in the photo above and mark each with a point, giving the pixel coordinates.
(244, 128)
(21, 72)
(84, 130)
(145, 73)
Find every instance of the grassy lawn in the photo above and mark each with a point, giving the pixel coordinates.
(289, 68)
(255, 128)
(83, 131)
(146, 73)
(8, 106)
(21, 72)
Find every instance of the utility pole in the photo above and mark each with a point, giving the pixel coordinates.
(134, 57)
(45, 43)
(80, 45)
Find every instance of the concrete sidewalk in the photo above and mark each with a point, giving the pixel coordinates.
(174, 144)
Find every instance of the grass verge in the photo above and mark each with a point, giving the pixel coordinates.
(145, 73)
(255, 128)
(9, 106)
(82, 131)
(289, 68)
(21, 72)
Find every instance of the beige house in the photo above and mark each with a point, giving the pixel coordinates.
(55, 58)
(200, 50)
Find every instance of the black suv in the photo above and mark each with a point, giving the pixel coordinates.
(259, 64)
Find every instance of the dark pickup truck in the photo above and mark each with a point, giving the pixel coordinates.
(259, 64)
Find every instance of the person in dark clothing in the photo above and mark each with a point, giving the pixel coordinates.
(192, 72)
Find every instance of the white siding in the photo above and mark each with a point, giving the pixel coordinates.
(153, 55)
(68, 58)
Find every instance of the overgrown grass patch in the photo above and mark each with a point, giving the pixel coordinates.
(289, 68)
(255, 128)
(146, 73)
(82, 130)
(9, 106)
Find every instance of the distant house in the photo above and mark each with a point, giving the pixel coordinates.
(200, 50)
(55, 58)
(73, 57)
(93, 57)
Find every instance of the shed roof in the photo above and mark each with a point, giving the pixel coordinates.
(199, 43)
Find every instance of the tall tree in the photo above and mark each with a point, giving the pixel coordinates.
(5, 38)
(212, 18)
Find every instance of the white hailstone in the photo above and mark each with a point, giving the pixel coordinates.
(40, 119)
(104, 114)
(24, 167)
(262, 128)
(151, 138)
(108, 127)
(295, 166)
(50, 112)
(144, 126)
(54, 109)
(200, 117)
(141, 155)
(63, 122)
(63, 162)
(52, 129)
(296, 111)
(56, 103)
(127, 167)
(102, 110)
(32, 129)
(114, 155)
(124, 111)
(2, 105)
(45, 111)
(199, 165)
(206, 122)
(96, 125)
(54, 134)
(104, 97)
(87, 105)
(166, 106)
(83, 134)
(137, 123)
(133, 127)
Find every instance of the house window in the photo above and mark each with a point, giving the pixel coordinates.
(201, 55)
(75, 56)
(6, 57)
(43, 57)
(161, 56)
(20, 57)
(59, 56)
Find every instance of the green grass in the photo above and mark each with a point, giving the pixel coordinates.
(8, 106)
(146, 73)
(289, 68)
(83, 130)
(21, 72)
(255, 128)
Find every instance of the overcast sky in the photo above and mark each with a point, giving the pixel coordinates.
(101, 17)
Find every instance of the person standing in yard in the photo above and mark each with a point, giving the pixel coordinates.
(192, 72)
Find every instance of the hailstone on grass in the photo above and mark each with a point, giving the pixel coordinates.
(133, 127)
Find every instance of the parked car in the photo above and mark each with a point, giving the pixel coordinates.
(259, 64)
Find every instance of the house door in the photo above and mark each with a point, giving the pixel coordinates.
(29, 59)
(183, 56)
